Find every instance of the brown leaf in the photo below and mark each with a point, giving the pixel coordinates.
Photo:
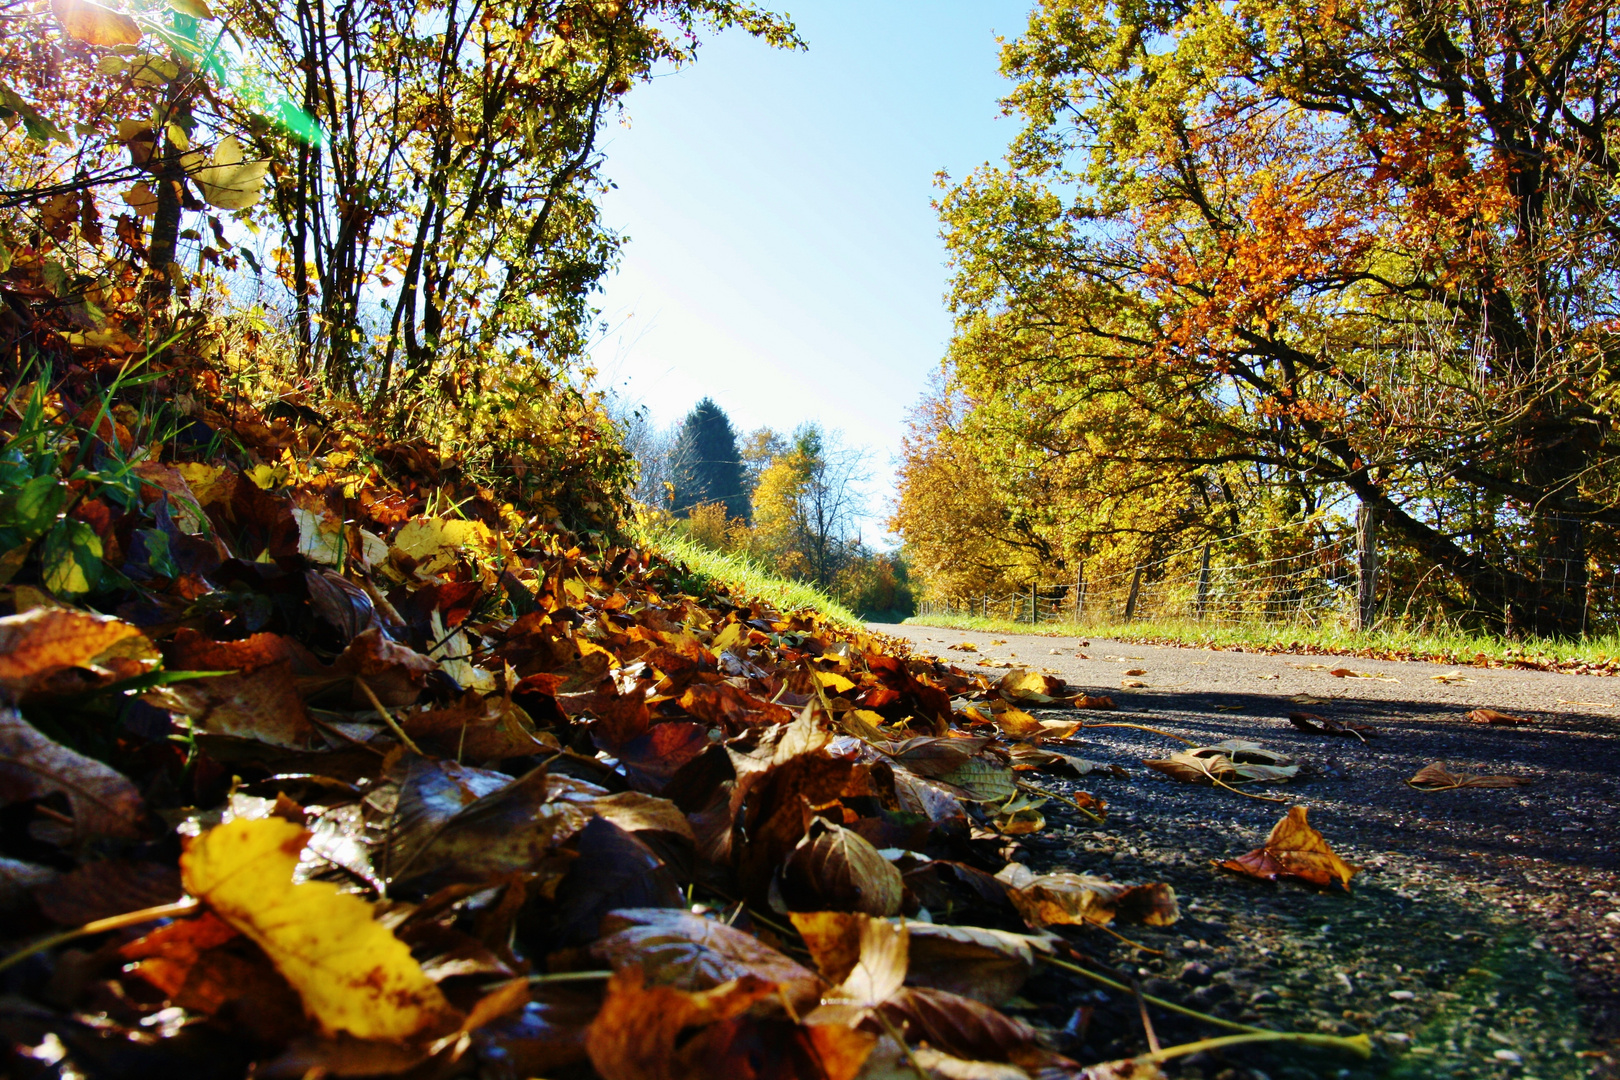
(395, 673)
(103, 802)
(1136, 671)
(677, 948)
(1077, 899)
(1436, 777)
(1100, 701)
(634, 1035)
(1295, 850)
(258, 700)
(1498, 719)
(107, 887)
(987, 965)
(930, 755)
(836, 869)
(726, 706)
(1322, 725)
(965, 1028)
(64, 651)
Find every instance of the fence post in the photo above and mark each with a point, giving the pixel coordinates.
(1136, 587)
(1079, 591)
(1203, 583)
(1366, 566)
(1034, 614)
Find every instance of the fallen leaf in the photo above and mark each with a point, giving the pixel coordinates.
(352, 973)
(1322, 725)
(1436, 777)
(102, 801)
(1496, 719)
(635, 1035)
(1231, 761)
(836, 869)
(1026, 685)
(63, 650)
(1136, 671)
(1077, 899)
(1295, 850)
(1088, 701)
(677, 948)
(987, 965)
(1451, 678)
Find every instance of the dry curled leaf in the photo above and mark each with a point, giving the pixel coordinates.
(1436, 777)
(1496, 719)
(352, 973)
(1232, 761)
(1076, 899)
(1295, 850)
(836, 869)
(1322, 725)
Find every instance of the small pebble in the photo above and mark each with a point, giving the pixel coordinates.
(1508, 1055)
(1401, 995)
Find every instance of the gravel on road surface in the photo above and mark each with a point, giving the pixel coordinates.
(1481, 937)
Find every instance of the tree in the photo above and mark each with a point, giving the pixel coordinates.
(759, 448)
(704, 464)
(650, 446)
(808, 505)
(1367, 249)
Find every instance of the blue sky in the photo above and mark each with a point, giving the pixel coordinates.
(783, 256)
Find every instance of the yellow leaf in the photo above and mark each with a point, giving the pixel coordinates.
(435, 542)
(94, 24)
(834, 681)
(225, 180)
(726, 638)
(352, 973)
(144, 200)
(195, 8)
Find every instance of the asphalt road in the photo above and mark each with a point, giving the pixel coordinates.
(1545, 857)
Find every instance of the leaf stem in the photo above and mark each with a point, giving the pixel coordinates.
(1142, 727)
(569, 976)
(393, 725)
(1230, 1025)
(1060, 798)
(101, 926)
(1359, 1045)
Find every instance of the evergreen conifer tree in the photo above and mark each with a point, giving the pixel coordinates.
(706, 466)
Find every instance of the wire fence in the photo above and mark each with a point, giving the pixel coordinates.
(1330, 579)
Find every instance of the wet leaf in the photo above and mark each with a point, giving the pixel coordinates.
(102, 801)
(1295, 850)
(351, 972)
(1436, 777)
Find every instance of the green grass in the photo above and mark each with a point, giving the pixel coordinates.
(742, 575)
(1453, 647)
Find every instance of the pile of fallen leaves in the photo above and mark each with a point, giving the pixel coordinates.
(312, 781)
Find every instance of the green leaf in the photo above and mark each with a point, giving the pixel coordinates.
(28, 510)
(72, 559)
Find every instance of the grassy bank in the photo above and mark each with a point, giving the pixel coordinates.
(743, 575)
(1596, 655)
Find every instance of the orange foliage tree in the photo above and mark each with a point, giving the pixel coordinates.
(1364, 249)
